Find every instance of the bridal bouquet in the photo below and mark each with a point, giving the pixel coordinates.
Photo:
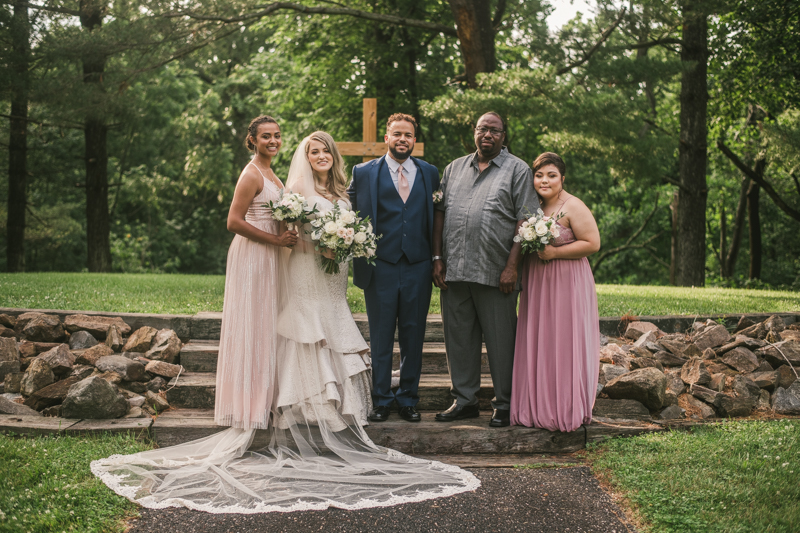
(292, 208)
(346, 235)
(537, 232)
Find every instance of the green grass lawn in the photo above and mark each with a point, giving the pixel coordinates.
(188, 294)
(738, 476)
(46, 484)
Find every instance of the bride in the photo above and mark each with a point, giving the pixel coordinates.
(319, 455)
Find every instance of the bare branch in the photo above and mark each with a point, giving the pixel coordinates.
(756, 177)
(650, 44)
(605, 35)
(629, 243)
(62, 10)
(497, 20)
(269, 9)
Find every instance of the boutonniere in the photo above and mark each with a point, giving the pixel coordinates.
(438, 196)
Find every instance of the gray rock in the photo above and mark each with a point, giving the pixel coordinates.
(780, 352)
(645, 362)
(7, 407)
(765, 380)
(156, 402)
(127, 369)
(756, 331)
(93, 354)
(53, 410)
(675, 387)
(163, 369)
(620, 409)
(9, 352)
(695, 408)
(37, 376)
(763, 400)
(24, 318)
(60, 359)
(646, 385)
(9, 367)
(134, 386)
(96, 325)
(82, 371)
(140, 340)
(94, 398)
(673, 412)
(744, 386)
(44, 328)
(166, 346)
(729, 405)
(136, 401)
(741, 359)
(13, 381)
(694, 371)
(764, 366)
(707, 395)
(648, 337)
(112, 377)
(786, 376)
(787, 401)
(741, 340)
(80, 340)
(637, 329)
(51, 395)
(135, 412)
(717, 382)
(609, 372)
(744, 323)
(673, 346)
(114, 338)
(712, 337)
(156, 384)
(668, 359)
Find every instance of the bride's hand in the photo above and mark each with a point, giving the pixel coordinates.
(329, 254)
(288, 238)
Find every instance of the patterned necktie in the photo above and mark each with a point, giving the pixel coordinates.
(402, 184)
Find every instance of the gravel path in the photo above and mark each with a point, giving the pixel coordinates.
(539, 500)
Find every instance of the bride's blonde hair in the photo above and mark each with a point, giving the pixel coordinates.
(337, 176)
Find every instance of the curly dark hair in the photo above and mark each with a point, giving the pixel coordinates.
(397, 117)
(252, 129)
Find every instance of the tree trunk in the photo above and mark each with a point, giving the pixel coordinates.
(98, 225)
(673, 207)
(736, 235)
(691, 245)
(754, 219)
(476, 35)
(18, 140)
(723, 240)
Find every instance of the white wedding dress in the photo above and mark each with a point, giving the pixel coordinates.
(318, 455)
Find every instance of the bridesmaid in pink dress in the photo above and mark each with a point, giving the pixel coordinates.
(246, 364)
(558, 338)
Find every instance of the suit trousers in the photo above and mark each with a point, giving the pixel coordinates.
(471, 311)
(397, 297)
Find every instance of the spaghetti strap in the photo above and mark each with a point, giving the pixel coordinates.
(560, 208)
(259, 170)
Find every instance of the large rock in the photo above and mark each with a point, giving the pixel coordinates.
(8, 350)
(7, 407)
(140, 340)
(156, 401)
(37, 376)
(613, 354)
(707, 395)
(646, 385)
(161, 368)
(8, 321)
(790, 334)
(637, 329)
(127, 369)
(694, 372)
(96, 325)
(668, 359)
(675, 387)
(743, 323)
(94, 398)
(13, 382)
(9, 367)
(695, 408)
(786, 376)
(609, 372)
(645, 362)
(51, 395)
(156, 384)
(32, 349)
(787, 401)
(80, 340)
(24, 318)
(741, 359)
(774, 323)
(60, 360)
(114, 338)
(765, 380)
(731, 405)
(780, 352)
(673, 412)
(712, 337)
(166, 346)
(44, 328)
(740, 340)
(620, 409)
(93, 354)
(8, 332)
(744, 386)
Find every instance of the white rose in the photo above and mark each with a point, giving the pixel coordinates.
(360, 237)
(540, 228)
(517, 238)
(556, 233)
(525, 224)
(370, 252)
(330, 227)
(348, 240)
(348, 217)
(529, 234)
(544, 240)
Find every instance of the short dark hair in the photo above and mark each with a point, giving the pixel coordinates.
(549, 158)
(505, 126)
(252, 129)
(397, 117)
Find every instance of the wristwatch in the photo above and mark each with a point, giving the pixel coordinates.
(435, 257)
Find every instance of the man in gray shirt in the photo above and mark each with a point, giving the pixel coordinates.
(486, 197)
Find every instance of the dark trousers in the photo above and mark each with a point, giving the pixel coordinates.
(398, 296)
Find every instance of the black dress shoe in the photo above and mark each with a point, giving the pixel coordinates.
(500, 418)
(410, 414)
(379, 414)
(458, 412)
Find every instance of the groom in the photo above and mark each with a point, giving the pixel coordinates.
(395, 192)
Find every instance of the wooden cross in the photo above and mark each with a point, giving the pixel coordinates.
(370, 149)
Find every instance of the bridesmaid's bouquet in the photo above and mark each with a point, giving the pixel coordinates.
(291, 208)
(537, 232)
(346, 235)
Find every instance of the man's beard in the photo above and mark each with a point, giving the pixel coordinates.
(398, 156)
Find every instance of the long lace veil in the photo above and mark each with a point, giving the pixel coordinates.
(318, 455)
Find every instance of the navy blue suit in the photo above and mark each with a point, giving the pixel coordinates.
(397, 289)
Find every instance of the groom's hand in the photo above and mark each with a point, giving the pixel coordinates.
(439, 273)
(508, 280)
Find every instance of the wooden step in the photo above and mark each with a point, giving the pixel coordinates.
(196, 390)
(201, 356)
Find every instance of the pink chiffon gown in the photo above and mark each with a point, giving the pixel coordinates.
(556, 359)
(247, 346)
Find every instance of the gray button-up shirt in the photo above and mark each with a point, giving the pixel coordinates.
(481, 213)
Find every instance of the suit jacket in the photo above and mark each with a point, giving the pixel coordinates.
(363, 193)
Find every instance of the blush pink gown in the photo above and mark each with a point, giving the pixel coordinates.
(556, 359)
(247, 346)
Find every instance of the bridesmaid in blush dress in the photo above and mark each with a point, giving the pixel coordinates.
(558, 337)
(246, 365)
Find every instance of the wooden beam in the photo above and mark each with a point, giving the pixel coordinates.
(373, 150)
(370, 123)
